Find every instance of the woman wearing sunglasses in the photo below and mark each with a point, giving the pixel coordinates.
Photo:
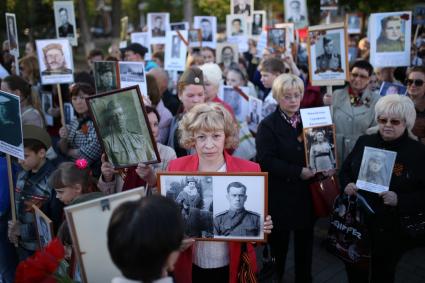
(416, 90)
(395, 115)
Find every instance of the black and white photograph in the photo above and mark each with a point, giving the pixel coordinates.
(226, 54)
(68, 112)
(55, 61)
(11, 139)
(122, 127)
(259, 22)
(392, 88)
(44, 227)
(328, 4)
(12, 34)
(254, 110)
(46, 105)
(106, 76)
(143, 39)
(376, 169)
(276, 39)
(354, 23)
(419, 14)
(236, 26)
(195, 37)
(219, 206)
(242, 7)
(158, 25)
(296, 12)
(175, 51)
(133, 73)
(328, 59)
(390, 39)
(289, 32)
(208, 26)
(65, 21)
(179, 26)
(320, 148)
(238, 100)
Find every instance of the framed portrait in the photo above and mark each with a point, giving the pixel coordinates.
(106, 76)
(376, 169)
(320, 148)
(276, 39)
(175, 51)
(419, 14)
(195, 37)
(236, 26)
(226, 54)
(11, 137)
(296, 12)
(133, 73)
(65, 21)
(12, 34)
(219, 206)
(158, 24)
(237, 98)
(392, 88)
(259, 22)
(179, 26)
(389, 38)
(143, 39)
(46, 104)
(122, 127)
(242, 7)
(55, 61)
(327, 49)
(90, 241)
(44, 227)
(208, 27)
(68, 112)
(354, 23)
(255, 107)
(328, 4)
(290, 32)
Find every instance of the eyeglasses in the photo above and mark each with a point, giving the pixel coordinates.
(415, 82)
(295, 97)
(356, 75)
(393, 122)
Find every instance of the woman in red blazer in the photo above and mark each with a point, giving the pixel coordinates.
(210, 129)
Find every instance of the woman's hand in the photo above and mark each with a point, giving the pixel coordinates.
(268, 225)
(107, 170)
(327, 99)
(390, 198)
(63, 132)
(146, 173)
(306, 173)
(351, 189)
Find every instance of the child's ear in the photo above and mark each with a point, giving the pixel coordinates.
(42, 153)
(79, 188)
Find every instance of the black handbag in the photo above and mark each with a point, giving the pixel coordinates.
(267, 270)
(413, 225)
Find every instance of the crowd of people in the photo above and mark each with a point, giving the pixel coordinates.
(195, 131)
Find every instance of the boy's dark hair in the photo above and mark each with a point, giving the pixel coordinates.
(68, 174)
(362, 64)
(142, 234)
(272, 65)
(34, 145)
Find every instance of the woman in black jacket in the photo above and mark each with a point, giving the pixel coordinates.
(396, 116)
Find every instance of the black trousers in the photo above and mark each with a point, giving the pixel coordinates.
(210, 275)
(303, 253)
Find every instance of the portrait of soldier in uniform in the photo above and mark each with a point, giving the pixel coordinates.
(237, 221)
(175, 47)
(242, 7)
(66, 28)
(391, 38)
(207, 31)
(11, 32)
(10, 128)
(330, 59)
(54, 59)
(158, 29)
(105, 76)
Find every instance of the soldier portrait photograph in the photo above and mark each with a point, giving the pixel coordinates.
(105, 76)
(158, 24)
(242, 7)
(65, 21)
(329, 58)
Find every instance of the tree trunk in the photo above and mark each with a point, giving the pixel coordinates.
(84, 27)
(116, 18)
(188, 11)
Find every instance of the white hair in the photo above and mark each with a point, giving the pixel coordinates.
(212, 73)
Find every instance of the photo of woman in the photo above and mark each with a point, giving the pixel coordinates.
(321, 157)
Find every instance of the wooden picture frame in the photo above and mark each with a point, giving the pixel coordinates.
(320, 155)
(106, 76)
(43, 227)
(90, 241)
(258, 24)
(120, 117)
(354, 23)
(205, 203)
(328, 54)
(276, 39)
(195, 37)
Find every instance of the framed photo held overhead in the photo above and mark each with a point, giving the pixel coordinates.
(259, 22)
(236, 26)
(320, 149)
(122, 127)
(11, 137)
(65, 21)
(354, 23)
(44, 227)
(175, 51)
(226, 54)
(219, 206)
(208, 27)
(12, 34)
(195, 38)
(158, 24)
(328, 59)
(242, 7)
(237, 98)
(106, 76)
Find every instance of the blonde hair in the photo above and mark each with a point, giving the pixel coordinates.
(30, 63)
(208, 117)
(285, 82)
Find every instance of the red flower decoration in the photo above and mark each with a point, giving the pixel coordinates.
(405, 17)
(81, 163)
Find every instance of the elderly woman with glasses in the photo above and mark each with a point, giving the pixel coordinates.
(395, 115)
(352, 108)
(416, 91)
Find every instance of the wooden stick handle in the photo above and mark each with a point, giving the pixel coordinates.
(61, 105)
(11, 188)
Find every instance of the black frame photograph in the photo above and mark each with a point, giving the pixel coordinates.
(320, 148)
(12, 34)
(242, 7)
(65, 21)
(121, 121)
(106, 76)
(219, 206)
(11, 137)
(44, 227)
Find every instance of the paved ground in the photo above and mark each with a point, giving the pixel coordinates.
(329, 269)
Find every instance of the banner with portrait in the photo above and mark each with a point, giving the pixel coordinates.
(208, 27)
(11, 137)
(176, 50)
(354, 23)
(226, 54)
(55, 61)
(12, 34)
(65, 21)
(390, 39)
(296, 12)
(244, 8)
(327, 49)
(158, 24)
(106, 76)
(258, 24)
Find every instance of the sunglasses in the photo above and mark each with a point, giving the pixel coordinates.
(393, 122)
(355, 75)
(415, 82)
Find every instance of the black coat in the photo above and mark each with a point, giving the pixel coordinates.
(280, 153)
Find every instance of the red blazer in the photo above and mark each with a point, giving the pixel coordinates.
(183, 268)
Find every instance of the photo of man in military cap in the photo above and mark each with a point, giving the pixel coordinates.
(237, 221)
(105, 74)
(330, 58)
